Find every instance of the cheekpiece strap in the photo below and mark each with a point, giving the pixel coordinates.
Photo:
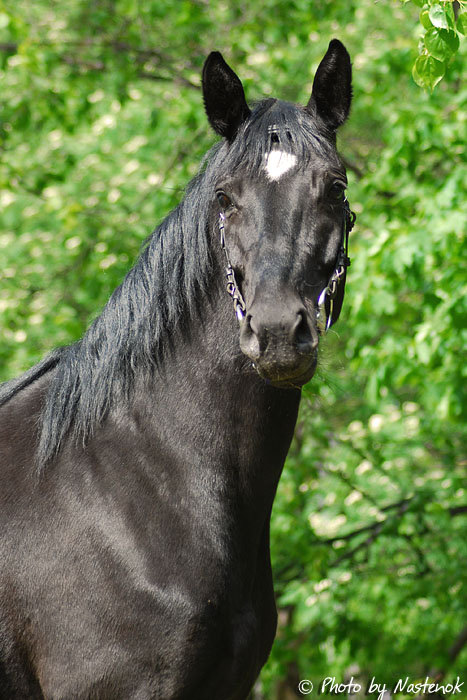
(332, 297)
(232, 286)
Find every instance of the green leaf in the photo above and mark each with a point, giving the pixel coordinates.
(425, 19)
(462, 23)
(441, 43)
(442, 16)
(427, 71)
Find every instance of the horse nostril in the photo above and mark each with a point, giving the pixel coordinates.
(252, 325)
(305, 339)
(291, 334)
(249, 338)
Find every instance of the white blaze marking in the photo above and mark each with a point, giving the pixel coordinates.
(278, 163)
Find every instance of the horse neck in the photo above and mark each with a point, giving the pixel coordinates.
(229, 431)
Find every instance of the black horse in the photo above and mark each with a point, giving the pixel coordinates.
(139, 465)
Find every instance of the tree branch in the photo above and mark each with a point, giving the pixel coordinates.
(458, 645)
(402, 505)
(453, 653)
(366, 543)
(457, 510)
(119, 47)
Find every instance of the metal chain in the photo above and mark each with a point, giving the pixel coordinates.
(232, 286)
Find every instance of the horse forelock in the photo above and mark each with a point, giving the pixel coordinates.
(276, 125)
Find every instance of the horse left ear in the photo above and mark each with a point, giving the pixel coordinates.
(332, 87)
(224, 98)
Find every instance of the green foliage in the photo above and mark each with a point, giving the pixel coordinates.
(101, 127)
(443, 22)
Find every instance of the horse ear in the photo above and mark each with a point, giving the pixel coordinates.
(332, 87)
(224, 98)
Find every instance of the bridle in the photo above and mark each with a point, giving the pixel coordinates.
(332, 296)
(232, 286)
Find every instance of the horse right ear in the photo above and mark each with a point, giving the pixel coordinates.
(224, 98)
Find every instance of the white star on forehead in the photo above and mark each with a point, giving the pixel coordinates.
(278, 163)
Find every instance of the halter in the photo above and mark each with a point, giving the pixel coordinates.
(331, 298)
(232, 286)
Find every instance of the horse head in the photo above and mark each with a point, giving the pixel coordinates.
(279, 200)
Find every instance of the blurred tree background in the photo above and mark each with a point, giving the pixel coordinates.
(102, 126)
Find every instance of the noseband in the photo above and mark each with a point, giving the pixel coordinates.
(331, 298)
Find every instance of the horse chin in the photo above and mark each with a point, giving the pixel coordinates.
(287, 377)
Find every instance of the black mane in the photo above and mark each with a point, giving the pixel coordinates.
(160, 291)
(156, 296)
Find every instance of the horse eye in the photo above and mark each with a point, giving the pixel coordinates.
(337, 192)
(224, 201)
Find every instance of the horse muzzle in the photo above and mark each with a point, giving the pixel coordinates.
(282, 342)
